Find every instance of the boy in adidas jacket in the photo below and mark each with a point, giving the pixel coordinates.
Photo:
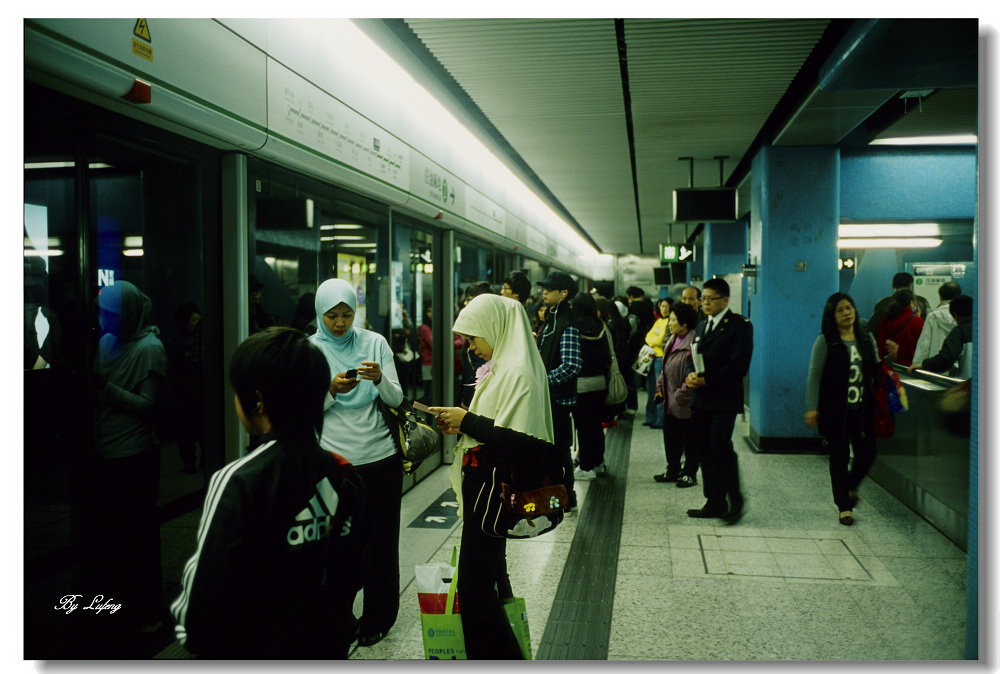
(279, 547)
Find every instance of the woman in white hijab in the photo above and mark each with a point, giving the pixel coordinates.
(354, 428)
(509, 414)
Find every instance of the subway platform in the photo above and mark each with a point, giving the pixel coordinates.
(630, 577)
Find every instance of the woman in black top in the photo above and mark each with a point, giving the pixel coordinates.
(839, 398)
(591, 386)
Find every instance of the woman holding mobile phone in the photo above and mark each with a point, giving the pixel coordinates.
(354, 428)
(509, 416)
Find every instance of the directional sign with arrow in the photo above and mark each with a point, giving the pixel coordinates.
(442, 513)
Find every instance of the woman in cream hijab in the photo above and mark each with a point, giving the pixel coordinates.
(509, 413)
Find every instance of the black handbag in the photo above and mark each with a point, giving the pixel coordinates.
(517, 504)
(414, 439)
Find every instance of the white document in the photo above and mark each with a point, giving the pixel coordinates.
(698, 359)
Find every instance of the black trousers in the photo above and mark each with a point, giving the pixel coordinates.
(123, 537)
(843, 480)
(678, 441)
(562, 431)
(482, 583)
(713, 436)
(588, 415)
(384, 480)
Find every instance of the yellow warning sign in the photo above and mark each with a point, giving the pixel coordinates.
(141, 30)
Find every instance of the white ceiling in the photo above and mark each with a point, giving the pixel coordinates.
(562, 94)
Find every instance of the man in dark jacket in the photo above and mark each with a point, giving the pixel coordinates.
(559, 344)
(725, 341)
(950, 357)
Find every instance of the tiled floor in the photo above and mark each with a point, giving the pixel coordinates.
(788, 582)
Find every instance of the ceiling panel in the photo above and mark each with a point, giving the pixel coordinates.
(699, 88)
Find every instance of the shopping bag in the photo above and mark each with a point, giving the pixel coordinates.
(433, 583)
(644, 361)
(442, 633)
(517, 616)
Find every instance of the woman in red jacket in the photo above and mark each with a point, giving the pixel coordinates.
(900, 325)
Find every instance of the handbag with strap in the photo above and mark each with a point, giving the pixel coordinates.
(414, 439)
(503, 512)
(617, 389)
(514, 499)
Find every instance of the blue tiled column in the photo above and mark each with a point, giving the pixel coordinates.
(795, 211)
(725, 248)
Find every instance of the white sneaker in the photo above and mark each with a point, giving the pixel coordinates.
(584, 474)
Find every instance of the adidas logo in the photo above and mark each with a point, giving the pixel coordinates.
(319, 514)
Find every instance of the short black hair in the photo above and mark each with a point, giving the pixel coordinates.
(902, 280)
(686, 315)
(949, 291)
(635, 291)
(519, 284)
(961, 307)
(478, 288)
(291, 375)
(719, 285)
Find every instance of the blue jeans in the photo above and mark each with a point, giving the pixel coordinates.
(654, 411)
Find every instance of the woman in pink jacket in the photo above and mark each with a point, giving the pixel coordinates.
(675, 396)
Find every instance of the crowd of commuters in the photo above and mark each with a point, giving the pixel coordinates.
(315, 506)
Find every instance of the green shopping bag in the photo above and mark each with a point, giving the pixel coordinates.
(442, 632)
(517, 616)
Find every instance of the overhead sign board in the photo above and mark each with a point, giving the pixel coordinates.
(676, 252)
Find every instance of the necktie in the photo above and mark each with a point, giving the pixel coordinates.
(708, 328)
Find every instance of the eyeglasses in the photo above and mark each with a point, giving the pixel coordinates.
(709, 299)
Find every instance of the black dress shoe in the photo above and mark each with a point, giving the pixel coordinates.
(665, 477)
(702, 513)
(735, 513)
(371, 639)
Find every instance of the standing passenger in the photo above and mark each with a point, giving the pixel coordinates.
(508, 418)
(130, 374)
(937, 324)
(279, 555)
(354, 428)
(725, 342)
(898, 331)
(839, 398)
(676, 398)
(559, 344)
(591, 386)
(656, 338)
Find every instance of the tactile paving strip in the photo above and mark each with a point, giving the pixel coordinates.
(579, 626)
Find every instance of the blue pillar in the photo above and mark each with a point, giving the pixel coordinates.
(795, 211)
(725, 248)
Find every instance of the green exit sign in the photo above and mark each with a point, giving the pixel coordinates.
(676, 252)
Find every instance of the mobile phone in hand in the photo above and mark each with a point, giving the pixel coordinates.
(351, 374)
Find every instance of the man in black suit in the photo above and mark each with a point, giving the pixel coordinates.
(725, 342)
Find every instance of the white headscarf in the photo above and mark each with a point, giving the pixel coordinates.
(515, 393)
(344, 353)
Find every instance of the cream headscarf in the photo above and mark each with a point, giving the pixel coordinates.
(515, 393)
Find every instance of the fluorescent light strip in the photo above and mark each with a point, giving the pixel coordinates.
(889, 230)
(956, 139)
(914, 242)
